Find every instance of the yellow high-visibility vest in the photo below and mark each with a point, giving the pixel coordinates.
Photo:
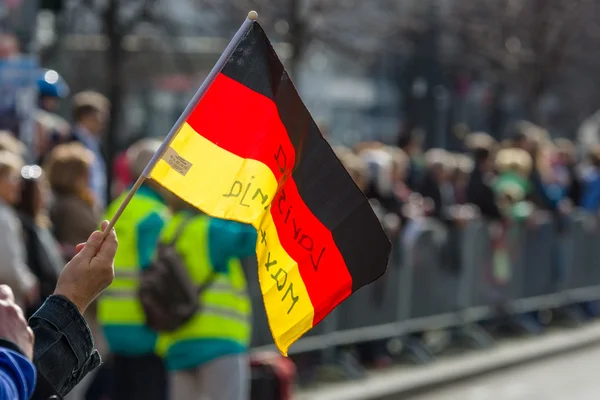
(225, 307)
(119, 304)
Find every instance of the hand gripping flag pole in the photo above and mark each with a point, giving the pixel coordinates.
(252, 16)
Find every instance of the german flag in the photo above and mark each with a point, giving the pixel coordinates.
(249, 151)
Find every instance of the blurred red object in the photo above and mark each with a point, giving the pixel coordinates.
(462, 85)
(68, 252)
(273, 376)
(123, 178)
(9, 45)
(13, 3)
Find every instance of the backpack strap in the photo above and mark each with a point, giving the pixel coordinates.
(208, 283)
(180, 228)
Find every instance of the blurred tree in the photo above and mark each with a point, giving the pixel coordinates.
(521, 46)
(361, 29)
(51, 5)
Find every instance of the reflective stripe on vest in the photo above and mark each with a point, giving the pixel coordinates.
(225, 307)
(113, 308)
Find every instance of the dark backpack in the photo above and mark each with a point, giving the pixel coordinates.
(169, 297)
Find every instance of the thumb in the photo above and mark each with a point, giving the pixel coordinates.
(91, 247)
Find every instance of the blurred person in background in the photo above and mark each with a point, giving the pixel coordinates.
(52, 88)
(460, 177)
(359, 171)
(437, 188)
(10, 143)
(43, 252)
(411, 144)
(509, 144)
(567, 157)
(400, 192)
(549, 195)
(14, 271)
(362, 146)
(550, 184)
(138, 373)
(512, 186)
(436, 184)
(590, 202)
(72, 213)
(376, 352)
(590, 197)
(377, 171)
(385, 169)
(90, 114)
(9, 45)
(479, 188)
(551, 179)
(49, 131)
(10, 115)
(207, 357)
(538, 146)
(379, 166)
(521, 138)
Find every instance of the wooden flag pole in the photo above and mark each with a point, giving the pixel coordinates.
(252, 16)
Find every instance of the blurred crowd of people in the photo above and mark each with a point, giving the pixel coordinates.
(526, 177)
(50, 206)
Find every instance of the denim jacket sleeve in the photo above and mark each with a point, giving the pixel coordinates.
(64, 347)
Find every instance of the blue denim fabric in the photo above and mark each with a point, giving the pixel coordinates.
(17, 374)
(64, 347)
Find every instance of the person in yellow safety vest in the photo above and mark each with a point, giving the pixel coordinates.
(207, 357)
(138, 372)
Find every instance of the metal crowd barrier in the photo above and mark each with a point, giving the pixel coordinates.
(442, 277)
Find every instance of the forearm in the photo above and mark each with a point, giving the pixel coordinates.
(232, 239)
(64, 348)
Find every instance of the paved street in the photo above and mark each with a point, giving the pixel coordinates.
(571, 376)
